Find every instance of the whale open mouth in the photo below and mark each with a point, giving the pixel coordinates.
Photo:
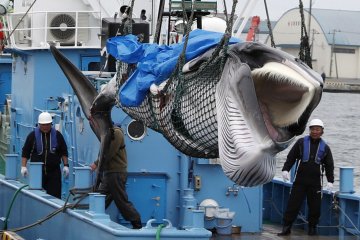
(282, 98)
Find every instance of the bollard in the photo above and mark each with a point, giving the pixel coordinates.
(92, 201)
(82, 180)
(97, 207)
(82, 177)
(346, 180)
(189, 200)
(189, 203)
(198, 218)
(98, 204)
(35, 175)
(10, 166)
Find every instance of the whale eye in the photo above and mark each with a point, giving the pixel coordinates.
(136, 130)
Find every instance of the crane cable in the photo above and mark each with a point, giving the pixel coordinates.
(304, 52)
(269, 26)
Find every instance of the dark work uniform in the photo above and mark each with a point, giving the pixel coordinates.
(307, 181)
(114, 176)
(51, 174)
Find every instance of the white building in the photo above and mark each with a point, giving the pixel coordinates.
(334, 37)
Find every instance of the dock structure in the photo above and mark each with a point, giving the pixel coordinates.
(342, 85)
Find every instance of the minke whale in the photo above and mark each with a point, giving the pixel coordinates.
(264, 98)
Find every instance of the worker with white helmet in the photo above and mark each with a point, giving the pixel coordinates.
(47, 145)
(312, 157)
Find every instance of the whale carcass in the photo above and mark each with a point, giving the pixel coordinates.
(250, 111)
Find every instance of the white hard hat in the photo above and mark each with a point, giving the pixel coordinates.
(316, 122)
(45, 118)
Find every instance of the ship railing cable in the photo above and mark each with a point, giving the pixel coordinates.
(79, 193)
(336, 206)
(300, 216)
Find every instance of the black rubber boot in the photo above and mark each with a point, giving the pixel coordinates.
(312, 231)
(285, 231)
(136, 224)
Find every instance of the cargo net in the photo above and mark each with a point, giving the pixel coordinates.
(184, 111)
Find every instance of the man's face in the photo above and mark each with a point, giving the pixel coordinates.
(45, 127)
(316, 132)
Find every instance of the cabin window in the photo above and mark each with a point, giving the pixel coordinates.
(136, 130)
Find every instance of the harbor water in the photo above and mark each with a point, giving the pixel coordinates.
(340, 113)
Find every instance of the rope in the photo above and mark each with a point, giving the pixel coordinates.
(304, 53)
(159, 21)
(128, 22)
(187, 29)
(11, 204)
(269, 26)
(52, 214)
(158, 231)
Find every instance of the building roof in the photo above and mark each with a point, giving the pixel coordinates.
(346, 25)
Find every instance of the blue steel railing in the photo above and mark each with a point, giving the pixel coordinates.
(339, 210)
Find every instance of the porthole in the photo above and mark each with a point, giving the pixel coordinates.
(136, 130)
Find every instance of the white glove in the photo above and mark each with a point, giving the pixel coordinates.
(286, 176)
(329, 186)
(66, 171)
(24, 171)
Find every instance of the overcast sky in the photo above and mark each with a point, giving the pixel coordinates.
(277, 7)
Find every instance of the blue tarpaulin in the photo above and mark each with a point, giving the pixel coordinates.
(155, 63)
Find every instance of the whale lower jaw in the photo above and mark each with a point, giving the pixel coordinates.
(250, 168)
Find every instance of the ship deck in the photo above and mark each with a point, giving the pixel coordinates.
(270, 232)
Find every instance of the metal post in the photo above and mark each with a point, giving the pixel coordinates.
(346, 180)
(82, 177)
(83, 180)
(98, 203)
(342, 203)
(189, 203)
(35, 175)
(332, 51)
(11, 166)
(336, 67)
(310, 14)
(198, 218)
(97, 207)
